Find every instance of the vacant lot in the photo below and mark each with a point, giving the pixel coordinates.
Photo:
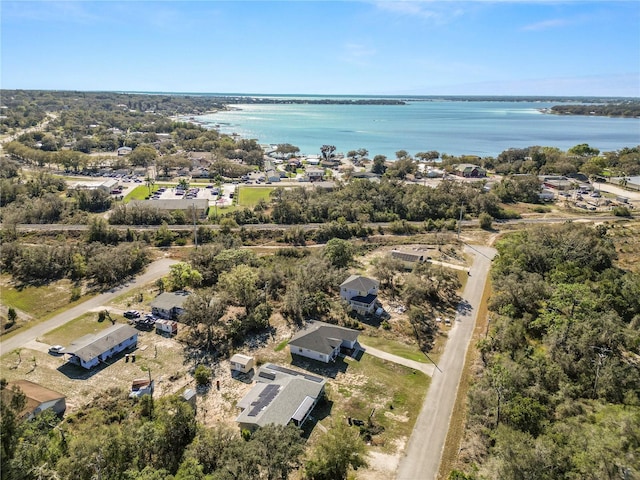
(251, 196)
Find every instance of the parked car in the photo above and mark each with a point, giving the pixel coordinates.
(131, 314)
(56, 349)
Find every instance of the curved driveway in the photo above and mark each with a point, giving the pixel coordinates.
(154, 271)
(423, 453)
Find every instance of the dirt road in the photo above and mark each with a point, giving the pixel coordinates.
(154, 271)
(423, 453)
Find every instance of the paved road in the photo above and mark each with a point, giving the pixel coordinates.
(154, 271)
(423, 453)
(426, 368)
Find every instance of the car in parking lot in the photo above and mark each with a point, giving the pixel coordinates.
(595, 195)
(131, 314)
(56, 349)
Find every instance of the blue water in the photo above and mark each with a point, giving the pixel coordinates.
(483, 128)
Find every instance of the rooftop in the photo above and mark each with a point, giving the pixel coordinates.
(90, 346)
(323, 337)
(169, 300)
(360, 283)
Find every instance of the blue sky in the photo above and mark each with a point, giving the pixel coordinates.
(502, 47)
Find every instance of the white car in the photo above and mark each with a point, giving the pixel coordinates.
(56, 349)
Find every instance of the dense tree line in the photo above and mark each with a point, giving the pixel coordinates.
(629, 109)
(106, 265)
(559, 387)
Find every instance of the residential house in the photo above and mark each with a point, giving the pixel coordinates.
(557, 182)
(408, 259)
(280, 396)
(38, 398)
(361, 293)
(315, 174)
(169, 305)
(241, 363)
(470, 170)
(323, 341)
(93, 349)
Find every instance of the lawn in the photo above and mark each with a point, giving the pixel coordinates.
(251, 196)
(140, 193)
(79, 327)
(390, 393)
(410, 352)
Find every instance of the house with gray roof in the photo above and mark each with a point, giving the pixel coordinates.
(280, 396)
(169, 305)
(323, 341)
(469, 170)
(361, 293)
(91, 350)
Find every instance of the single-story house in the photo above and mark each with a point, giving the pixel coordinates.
(280, 396)
(38, 398)
(124, 151)
(546, 195)
(272, 175)
(557, 182)
(470, 170)
(93, 349)
(408, 259)
(168, 305)
(241, 363)
(312, 159)
(360, 292)
(322, 341)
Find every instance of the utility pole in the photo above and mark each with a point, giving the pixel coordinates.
(195, 230)
(460, 221)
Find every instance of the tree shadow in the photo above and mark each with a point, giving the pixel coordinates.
(464, 307)
(330, 369)
(321, 411)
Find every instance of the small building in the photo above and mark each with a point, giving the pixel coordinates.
(122, 151)
(272, 175)
(168, 305)
(469, 170)
(38, 398)
(189, 396)
(361, 293)
(166, 327)
(280, 396)
(140, 387)
(312, 159)
(241, 363)
(408, 259)
(93, 349)
(546, 195)
(556, 182)
(323, 341)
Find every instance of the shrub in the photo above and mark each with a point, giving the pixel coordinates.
(202, 375)
(621, 211)
(485, 220)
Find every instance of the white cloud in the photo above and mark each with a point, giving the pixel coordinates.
(357, 53)
(546, 24)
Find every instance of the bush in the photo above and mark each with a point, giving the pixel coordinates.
(621, 211)
(202, 375)
(486, 221)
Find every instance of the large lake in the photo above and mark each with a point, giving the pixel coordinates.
(452, 127)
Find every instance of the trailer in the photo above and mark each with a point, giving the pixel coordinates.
(166, 327)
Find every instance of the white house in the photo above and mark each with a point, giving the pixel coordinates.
(361, 293)
(280, 396)
(38, 398)
(323, 341)
(93, 349)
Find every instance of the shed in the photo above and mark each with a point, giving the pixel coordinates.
(189, 396)
(167, 327)
(241, 363)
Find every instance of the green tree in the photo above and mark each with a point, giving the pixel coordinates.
(379, 166)
(240, 285)
(485, 220)
(182, 275)
(143, 155)
(338, 252)
(335, 453)
(327, 151)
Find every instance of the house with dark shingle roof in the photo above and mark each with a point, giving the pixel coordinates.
(169, 305)
(323, 341)
(93, 349)
(280, 396)
(361, 293)
(38, 398)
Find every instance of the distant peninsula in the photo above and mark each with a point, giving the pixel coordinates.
(630, 109)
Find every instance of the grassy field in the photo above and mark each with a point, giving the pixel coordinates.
(41, 301)
(140, 193)
(76, 328)
(410, 352)
(250, 197)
